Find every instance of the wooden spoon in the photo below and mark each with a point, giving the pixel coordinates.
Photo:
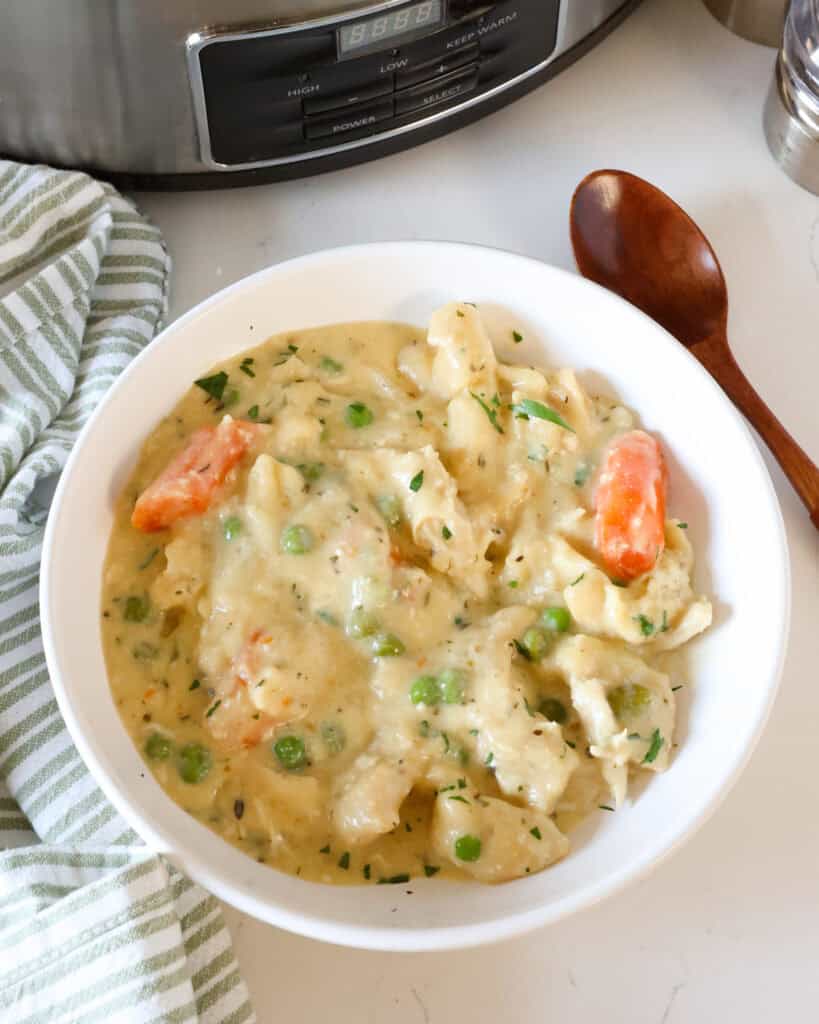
(634, 240)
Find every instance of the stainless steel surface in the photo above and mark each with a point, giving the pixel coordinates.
(106, 85)
(792, 109)
(760, 21)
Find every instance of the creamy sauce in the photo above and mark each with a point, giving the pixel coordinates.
(344, 665)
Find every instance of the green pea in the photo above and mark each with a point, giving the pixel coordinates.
(390, 508)
(158, 747)
(425, 691)
(387, 645)
(194, 763)
(232, 527)
(554, 710)
(137, 609)
(361, 623)
(630, 699)
(311, 471)
(556, 619)
(296, 540)
(335, 739)
(467, 848)
(290, 752)
(451, 686)
(357, 415)
(535, 642)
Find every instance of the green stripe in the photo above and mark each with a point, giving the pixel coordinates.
(96, 824)
(115, 278)
(219, 991)
(11, 697)
(43, 200)
(33, 744)
(207, 906)
(136, 259)
(179, 1015)
(66, 232)
(62, 785)
(12, 643)
(198, 938)
(71, 277)
(85, 897)
(37, 717)
(201, 978)
(244, 1013)
(58, 830)
(103, 942)
(18, 618)
(66, 859)
(36, 891)
(165, 983)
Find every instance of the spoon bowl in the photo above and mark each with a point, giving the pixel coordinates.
(633, 239)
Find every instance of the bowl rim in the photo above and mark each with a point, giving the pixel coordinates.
(352, 934)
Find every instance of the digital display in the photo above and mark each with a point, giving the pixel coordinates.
(385, 29)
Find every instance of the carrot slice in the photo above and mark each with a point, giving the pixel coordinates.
(188, 484)
(630, 505)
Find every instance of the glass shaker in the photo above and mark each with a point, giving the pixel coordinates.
(792, 108)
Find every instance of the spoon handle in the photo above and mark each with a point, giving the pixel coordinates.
(717, 358)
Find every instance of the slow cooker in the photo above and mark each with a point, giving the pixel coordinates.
(187, 93)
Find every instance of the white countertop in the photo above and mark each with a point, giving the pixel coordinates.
(728, 929)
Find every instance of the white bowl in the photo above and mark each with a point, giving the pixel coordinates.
(718, 484)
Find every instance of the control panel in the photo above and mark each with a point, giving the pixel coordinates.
(279, 94)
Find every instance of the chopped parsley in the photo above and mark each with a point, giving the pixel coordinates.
(420, 415)
(528, 408)
(212, 708)
(605, 807)
(682, 526)
(460, 622)
(325, 849)
(330, 365)
(460, 799)
(491, 414)
(430, 870)
(365, 871)
(394, 880)
(195, 685)
(137, 609)
(512, 584)
(246, 366)
(579, 578)
(646, 625)
(675, 688)
(654, 747)
(535, 832)
(446, 533)
(344, 861)
(490, 757)
(664, 623)
(582, 474)
(253, 412)
(517, 336)
(417, 481)
(213, 386)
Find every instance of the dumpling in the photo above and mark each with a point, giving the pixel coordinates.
(493, 840)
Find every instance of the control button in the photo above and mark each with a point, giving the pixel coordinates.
(440, 65)
(438, 90)
(353, 120)
(359, 94)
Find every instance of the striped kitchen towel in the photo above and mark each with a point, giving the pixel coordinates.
(93, 926)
